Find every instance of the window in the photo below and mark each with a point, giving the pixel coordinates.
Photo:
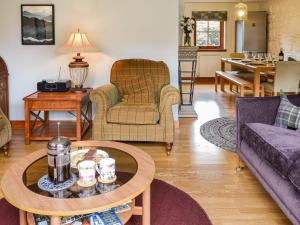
(209, 34)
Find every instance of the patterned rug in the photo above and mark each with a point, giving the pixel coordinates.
(220, 132)
(169, 206)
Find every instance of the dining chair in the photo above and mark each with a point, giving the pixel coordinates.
(286, 78)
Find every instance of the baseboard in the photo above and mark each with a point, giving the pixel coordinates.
(19, 124)
(202, 80)
(176, 124)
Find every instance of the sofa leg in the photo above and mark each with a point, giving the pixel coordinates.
(169, 146)
(5, 150)
(240, 166)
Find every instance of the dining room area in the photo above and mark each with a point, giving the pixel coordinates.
(258, 74)
(245, 48)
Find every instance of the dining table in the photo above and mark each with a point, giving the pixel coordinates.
(252, 66)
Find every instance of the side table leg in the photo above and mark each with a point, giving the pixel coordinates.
(27, 123)
(146, 206)
(22, 216)
(46, 118)
(78, 124)
(55, 220)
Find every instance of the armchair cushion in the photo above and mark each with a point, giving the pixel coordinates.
(142, 114)
(137, 90)
(2, 122)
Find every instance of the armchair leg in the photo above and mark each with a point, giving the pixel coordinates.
(169, 146)
(5, 150)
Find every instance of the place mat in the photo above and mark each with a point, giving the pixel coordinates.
(46, 184)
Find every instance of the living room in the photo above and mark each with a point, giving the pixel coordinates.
(118, 146)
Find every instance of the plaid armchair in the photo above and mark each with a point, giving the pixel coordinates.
(5, 132)
(120, 120)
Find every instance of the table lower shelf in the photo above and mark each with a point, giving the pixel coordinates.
(47, 132)
(124, 216)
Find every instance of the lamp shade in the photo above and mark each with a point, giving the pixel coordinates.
(79, 42)
(241, 11)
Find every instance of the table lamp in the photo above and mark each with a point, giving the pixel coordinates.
(78, 42)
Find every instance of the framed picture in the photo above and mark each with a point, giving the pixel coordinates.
(37, 24)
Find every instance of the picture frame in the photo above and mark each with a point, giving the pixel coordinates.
(37, 24)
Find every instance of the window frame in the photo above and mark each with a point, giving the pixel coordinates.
(211, 48)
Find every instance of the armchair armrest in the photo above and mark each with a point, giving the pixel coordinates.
(106, 96)
(169, 96)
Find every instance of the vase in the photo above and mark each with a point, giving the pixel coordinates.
(187, 39)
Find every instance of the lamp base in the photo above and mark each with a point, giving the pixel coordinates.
(78, 90)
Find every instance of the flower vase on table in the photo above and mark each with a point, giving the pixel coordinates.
(187, 40)
(187, 25)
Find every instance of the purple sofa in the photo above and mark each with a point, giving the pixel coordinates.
(271, 153)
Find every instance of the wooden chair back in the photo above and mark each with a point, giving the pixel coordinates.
(287, 76)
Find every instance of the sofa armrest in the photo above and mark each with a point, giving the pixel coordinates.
(169, 96)
(106, 96)
(255, 110)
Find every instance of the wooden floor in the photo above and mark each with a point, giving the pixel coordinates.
(199, 168)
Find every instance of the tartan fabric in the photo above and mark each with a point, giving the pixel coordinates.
(138, 90)
(2, 122)
(131, 68)
(108, 96)
(5, 130)
(133, 114)
(288, 115)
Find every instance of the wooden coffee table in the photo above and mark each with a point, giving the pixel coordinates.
(135, 173)
(76, 103)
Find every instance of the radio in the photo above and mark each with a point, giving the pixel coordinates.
(54, 85)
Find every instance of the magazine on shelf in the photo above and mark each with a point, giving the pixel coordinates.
(109, 217)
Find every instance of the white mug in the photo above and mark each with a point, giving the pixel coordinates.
(107, 170)
(87, 172)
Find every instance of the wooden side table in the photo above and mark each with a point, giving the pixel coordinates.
(78, 104)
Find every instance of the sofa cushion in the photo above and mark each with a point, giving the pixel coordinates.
(288, 115)
(294, 174)
(278, 146)
(133, 114)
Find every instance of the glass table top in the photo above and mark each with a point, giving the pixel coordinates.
(126, 167)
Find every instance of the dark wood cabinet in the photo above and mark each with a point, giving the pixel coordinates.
(4, 104)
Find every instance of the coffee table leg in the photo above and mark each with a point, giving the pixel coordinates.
(55, 220)
(22, 216)
(146, 207)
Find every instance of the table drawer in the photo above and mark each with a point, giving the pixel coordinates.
(52, 105)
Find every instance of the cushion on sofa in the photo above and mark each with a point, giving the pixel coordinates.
(137, 90)
(288, 115)
(278, 146)
(294, 174)
(133, 114)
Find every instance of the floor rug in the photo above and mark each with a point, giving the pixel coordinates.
(169, 206)
(187, 111)
(220, 132)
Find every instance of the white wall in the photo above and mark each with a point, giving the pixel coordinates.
(209, 62)
(120, 29)
(284, 31)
